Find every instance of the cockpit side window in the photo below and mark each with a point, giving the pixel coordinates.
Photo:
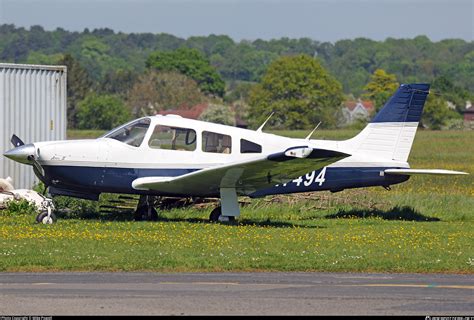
(132, 133)
(173, 138)
(216, 142)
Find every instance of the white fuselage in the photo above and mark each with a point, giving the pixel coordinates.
(171, 146)
(106, 152)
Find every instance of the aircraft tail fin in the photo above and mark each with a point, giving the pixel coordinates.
(391, 132)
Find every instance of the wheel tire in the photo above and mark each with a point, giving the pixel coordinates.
(138, 214)
(141, 214)
(153, 216)
(42, 218)
(215, 214)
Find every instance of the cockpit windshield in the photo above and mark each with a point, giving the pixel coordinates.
(131, 133)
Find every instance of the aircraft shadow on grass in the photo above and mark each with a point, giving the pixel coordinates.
(247, 222)
(404, 213)
(127, 215)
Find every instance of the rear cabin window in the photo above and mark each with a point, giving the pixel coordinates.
(249, 147)
(216, 142)
(173, 138)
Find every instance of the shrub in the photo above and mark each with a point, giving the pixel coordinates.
(20, 207)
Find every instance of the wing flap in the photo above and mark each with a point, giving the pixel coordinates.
(245, 176)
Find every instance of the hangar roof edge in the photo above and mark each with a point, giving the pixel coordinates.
(33, 66)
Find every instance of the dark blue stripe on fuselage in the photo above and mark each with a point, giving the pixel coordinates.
(95, 180)
(98, 180)
(335, 179)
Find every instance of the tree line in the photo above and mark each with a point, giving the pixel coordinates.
(144, 73)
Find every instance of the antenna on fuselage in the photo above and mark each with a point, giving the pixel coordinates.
(311, 133)
(264, 123)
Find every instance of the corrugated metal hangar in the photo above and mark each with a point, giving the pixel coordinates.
(32, 106)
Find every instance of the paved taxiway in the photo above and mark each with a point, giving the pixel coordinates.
(235, 293)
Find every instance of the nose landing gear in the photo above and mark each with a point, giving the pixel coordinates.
(46, 216)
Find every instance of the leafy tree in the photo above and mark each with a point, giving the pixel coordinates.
(155, 91)
(300, 92)
(118, 82)
(238, 91)
(101, 112)
(381, 87)
(103, 52)
(191, 63)
(212, 44)
(15, 47)
(449, 91)
(98, 57)
(39, 39)
(243, 62)
(219, 114)
(436, 113)
(143, 95)
(461, 72)
(78, 85)
(36, 57)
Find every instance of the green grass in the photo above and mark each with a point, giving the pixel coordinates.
(273, 240)
(423, 225)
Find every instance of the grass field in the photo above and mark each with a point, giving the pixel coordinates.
(423, 225)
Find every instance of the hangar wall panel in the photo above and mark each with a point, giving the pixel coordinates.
(32, 106)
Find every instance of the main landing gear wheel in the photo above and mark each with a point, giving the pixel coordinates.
(145, 209)
(216, 215)
(44, 218)
(146, 213)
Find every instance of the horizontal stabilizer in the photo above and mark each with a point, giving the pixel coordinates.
(423, 171)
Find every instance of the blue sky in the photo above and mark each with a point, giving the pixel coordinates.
(322, 20)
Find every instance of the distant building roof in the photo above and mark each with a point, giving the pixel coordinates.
(366, 104)
(357, 110)
(469, 108)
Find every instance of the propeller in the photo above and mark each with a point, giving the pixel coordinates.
(17, 142)
(24, 154)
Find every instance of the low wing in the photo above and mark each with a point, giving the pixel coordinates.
(423, 171)
(245, 176)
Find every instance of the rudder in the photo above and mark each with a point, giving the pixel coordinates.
(391, 132)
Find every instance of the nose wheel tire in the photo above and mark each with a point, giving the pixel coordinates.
(45, 219)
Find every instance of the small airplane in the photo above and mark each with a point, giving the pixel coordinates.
(178, 157)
